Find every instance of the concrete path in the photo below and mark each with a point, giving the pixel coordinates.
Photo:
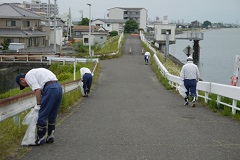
(131, 116)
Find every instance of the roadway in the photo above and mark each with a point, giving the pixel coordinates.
(131, 116)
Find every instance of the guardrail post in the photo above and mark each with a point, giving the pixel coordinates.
(234, 104)
(206, 97)
(218, 100)
(16, 120)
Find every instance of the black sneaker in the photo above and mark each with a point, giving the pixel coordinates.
(50, 139)
(194, 102)
(186, 102)
(39, 142)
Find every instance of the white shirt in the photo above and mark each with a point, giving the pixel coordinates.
(84, 70)
(189, 71)
(147, 54)
(36, 78)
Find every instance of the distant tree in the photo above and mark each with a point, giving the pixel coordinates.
(130, 26)
(206, 24)
(84, 22)
(5, 45)
(113, 33)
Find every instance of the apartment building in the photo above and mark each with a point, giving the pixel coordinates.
(40, 8)
(137, 14)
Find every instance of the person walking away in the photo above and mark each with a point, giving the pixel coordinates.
(146, 57)
(142, 50)
(86, 78)
(130, 50)
(48, 94)
(190, 75)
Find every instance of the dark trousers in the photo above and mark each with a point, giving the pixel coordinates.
(191, 85)
(50, 103)
(87, 82)
(146, 59)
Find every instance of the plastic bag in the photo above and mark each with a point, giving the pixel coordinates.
(81, 87)
(182, 90)
(31, 120)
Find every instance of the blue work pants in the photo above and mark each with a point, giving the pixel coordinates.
(87, 82)
(191, 85)
(50, 104)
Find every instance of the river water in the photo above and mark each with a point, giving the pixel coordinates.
(218, 51)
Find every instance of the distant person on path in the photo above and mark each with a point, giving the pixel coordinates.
(190, 76)
(147, 55)
(130, 50)
(48, 93)
(86, 78)
(142, 50)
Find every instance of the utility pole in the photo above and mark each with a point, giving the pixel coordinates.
(55, 35)
(70, 23)
(89, 33)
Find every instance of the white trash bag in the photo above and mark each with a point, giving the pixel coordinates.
(31, 120)
(81, 87)
(182, 90)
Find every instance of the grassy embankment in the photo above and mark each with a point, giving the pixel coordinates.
(11, 135)
(175, 70)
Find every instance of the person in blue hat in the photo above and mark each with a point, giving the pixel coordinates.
(48, 94)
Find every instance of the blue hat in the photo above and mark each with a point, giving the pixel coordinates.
(21, 75)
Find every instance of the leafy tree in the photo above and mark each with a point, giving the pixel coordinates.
(5, 45)
(130, 26)
(206, 24)
(113, 33)
(84, 22)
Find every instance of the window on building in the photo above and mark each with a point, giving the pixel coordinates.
(29, 42)
(26, 23)
(164, 31)
(36, 41)
(85, 40)
(125, 12)
(108, 25)
(101, 37)
(9, 40)
(11, 23)
(77, 33)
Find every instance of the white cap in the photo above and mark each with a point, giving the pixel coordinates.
(189, 59)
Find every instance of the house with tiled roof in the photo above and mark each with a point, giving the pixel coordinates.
(18, 25)
(137, 14)
(98, 34)
(110, 24)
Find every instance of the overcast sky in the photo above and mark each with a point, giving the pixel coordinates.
(225, 11)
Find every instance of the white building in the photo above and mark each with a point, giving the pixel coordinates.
(137, 14)
(110, 24)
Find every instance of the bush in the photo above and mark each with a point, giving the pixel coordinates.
(113, 33)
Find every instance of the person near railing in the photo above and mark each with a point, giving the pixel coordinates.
(48, 94)
(190, 75)
(86, 78)
(147, 55)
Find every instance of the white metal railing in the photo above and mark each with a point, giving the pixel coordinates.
(207, 88)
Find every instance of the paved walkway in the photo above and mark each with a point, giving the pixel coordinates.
(131, 116)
